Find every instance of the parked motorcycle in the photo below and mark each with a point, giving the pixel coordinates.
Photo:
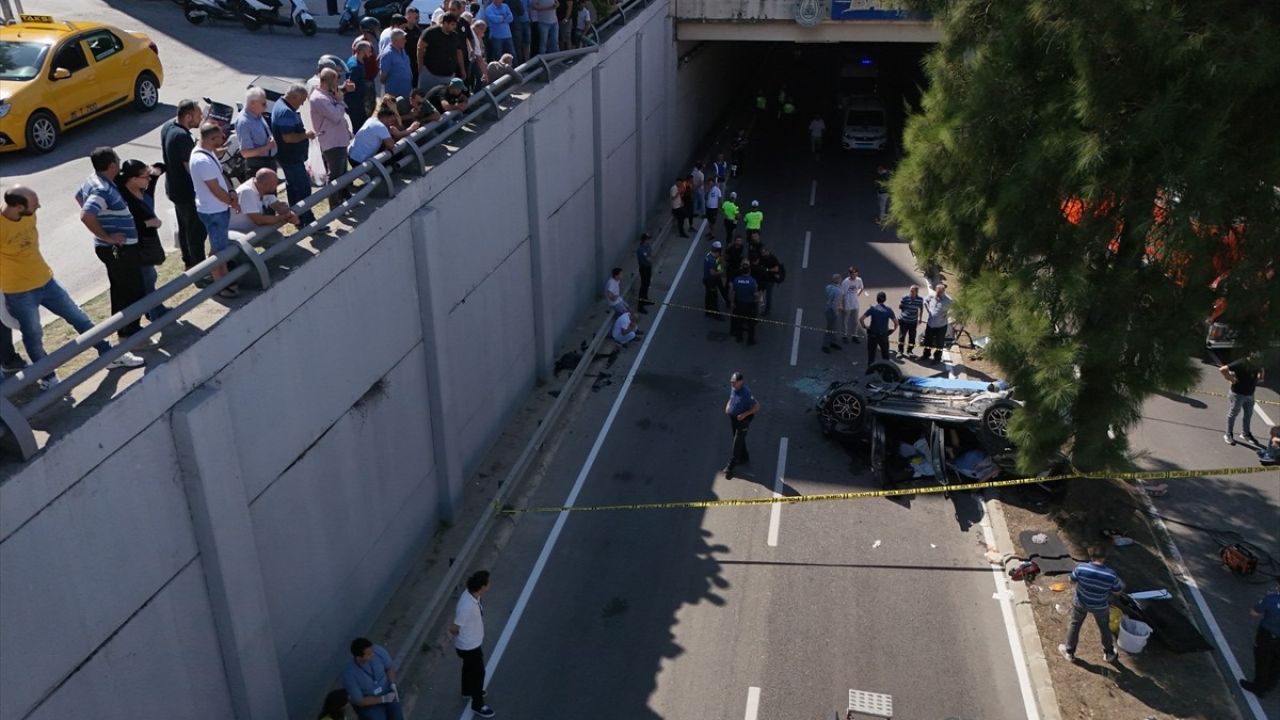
(381, 10)
(197, 11)
(268, 12)
(229, 157)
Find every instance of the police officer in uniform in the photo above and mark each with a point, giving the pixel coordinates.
(744, 307)
(741, 409)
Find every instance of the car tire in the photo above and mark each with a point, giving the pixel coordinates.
(844, 412)
(146, 92)
(194, 16)
(251, 22)
(995, 421)
(42, 131)
(885, 370)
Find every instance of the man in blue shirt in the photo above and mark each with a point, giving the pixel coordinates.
(370, 681)
(741, 409)
(712, 271)
(115, 236)
(743, 304)
(1266, 645)
(257, 145)
(878, 321)
(293, 140)
(393, 65)
(1095, 584)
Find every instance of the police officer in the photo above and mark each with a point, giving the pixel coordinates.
(1266, 644)
(744, 307)
(730, 210)
(712, 273)
(754, 218)
(741, 409)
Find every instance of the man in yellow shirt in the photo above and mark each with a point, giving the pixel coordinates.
(27, 282)
(754, 217)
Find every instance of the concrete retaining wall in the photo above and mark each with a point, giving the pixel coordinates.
(214, 537)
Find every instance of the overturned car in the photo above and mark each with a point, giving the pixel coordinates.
(950, 430)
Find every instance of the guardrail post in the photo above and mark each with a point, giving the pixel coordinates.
(18, 426)
(444, 452)
(419, 157)
(493, 103)
(264, 277)
(546, 67)
(386, 188)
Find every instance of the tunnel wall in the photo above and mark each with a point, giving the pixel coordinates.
(218, 533)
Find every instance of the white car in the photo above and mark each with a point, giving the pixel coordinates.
(864, 127)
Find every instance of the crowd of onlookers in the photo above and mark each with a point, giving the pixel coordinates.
(396, 79)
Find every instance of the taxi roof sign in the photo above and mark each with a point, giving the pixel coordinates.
(44, 19)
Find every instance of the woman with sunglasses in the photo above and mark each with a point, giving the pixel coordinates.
(137, 183)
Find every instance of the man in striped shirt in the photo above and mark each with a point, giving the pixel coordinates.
(115, 236)
(908, 318)
(1095, 583)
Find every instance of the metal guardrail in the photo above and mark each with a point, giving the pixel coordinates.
(373, 178)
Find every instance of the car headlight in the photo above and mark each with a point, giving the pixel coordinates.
(5, 107)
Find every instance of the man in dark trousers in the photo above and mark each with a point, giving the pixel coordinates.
(468, 635)
(741, 409)
(1244, 377)
(712, 270)
(1095, 584)
(176, 145)
(1266, 645)
(908, 318)
(644, 260)
(743, 304)
(879, 322)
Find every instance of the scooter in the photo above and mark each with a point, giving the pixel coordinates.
(229, 157)
(197, 11)
(267, 12)
(381, 10)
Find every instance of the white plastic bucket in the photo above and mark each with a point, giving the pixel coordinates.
(1134, 635)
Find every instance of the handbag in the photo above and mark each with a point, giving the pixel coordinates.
(150, 251)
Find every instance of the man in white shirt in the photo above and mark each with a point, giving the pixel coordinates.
(613, 291)
(259, 204)
(851, 289)
(714, 196)
(468, 635)
(817, 128)
(214, 199)
(936, 309)
(624, 329)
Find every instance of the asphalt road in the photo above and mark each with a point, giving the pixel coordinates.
(680, 613)
(215, 60)
(1186, 432)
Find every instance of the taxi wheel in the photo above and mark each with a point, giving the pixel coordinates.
(42, 131)
(146, 92)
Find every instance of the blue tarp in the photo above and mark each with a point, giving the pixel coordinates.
(939, 383)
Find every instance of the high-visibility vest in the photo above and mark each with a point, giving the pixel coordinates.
(730, 210)
(788, 108)
(761, 102)
(754, 219)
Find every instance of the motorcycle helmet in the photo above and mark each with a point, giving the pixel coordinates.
(334, 63)
(370, 24)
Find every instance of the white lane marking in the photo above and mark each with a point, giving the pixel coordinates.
(1011, 628)
(523, 601)
(775, 509)
(753, 703)
(1257, 408)
(804, 264)
(795, 339)
(1180, 570)
(813, 193)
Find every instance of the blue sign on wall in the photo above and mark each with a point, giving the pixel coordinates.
(869, 10)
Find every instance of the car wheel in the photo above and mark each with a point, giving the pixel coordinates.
(146, 92)
(845, 410)
(194, 16)
(251, 21)
(995, 420)
(885, 370)
(42, 131)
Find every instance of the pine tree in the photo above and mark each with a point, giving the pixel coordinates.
(1155, 126)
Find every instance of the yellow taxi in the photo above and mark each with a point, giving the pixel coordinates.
(56, 75)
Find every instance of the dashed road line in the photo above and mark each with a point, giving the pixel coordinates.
(813, 193)
(775, 510)
(804, 263)
(753, 703)
(795, 338)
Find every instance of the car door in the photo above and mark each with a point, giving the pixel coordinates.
(114, 79)
(938, 455)
(72, 97)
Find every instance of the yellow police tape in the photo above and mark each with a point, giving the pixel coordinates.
(867, 494)
(1224, 395)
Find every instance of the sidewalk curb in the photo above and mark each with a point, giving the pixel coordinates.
(1037, 665)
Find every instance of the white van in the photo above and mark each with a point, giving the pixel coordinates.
(864, 126)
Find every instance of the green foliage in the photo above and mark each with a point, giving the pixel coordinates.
(1035, 103)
